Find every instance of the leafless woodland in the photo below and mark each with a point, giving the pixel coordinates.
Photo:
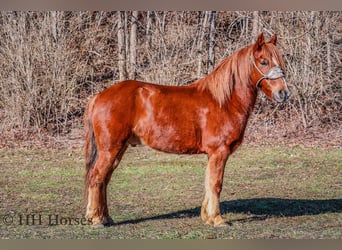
(51, 62)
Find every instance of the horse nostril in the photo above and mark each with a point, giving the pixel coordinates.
(282, 94)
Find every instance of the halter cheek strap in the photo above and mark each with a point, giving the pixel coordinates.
(274, 73)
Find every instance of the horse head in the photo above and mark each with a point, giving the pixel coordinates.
(268, 69)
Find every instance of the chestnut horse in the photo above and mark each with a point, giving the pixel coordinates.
(208, 116)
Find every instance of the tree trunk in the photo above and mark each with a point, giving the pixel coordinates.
(198, 30)
(133, 45)
(200, 44)
(255, 27)
(54, 25)
(328, 51)
(163, 22)
(211, 51)
(149, 29)
(126, 40)
(121, 46)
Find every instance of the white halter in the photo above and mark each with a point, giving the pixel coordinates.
(274, 73)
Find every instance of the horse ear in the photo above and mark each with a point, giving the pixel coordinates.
(273, 39)
(260, 42)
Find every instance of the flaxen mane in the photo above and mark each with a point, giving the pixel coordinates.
(220, 82)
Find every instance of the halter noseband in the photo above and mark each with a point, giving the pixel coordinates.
(274, 73)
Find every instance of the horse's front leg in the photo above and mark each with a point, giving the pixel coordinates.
(210, 211)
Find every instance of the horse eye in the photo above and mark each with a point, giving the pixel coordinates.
(264, 63)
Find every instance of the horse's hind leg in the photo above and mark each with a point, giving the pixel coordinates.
(107, 161)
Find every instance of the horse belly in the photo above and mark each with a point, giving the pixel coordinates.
(169, 139)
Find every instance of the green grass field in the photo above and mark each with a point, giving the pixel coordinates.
(268, 192)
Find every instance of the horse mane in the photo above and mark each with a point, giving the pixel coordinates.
(233, 69)
(275, 53)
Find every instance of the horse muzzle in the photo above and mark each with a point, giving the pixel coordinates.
(281, 96)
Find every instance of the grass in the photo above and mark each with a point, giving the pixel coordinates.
(269, 192)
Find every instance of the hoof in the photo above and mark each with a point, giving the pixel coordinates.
(216, 222)
(106, 222)
(220, 222)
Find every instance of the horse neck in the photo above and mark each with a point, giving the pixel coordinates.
(244, 93)
(240, 93)
(242, 99)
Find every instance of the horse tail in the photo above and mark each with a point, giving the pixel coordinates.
(90, 147)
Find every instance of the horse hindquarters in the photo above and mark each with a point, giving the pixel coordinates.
(110, 135)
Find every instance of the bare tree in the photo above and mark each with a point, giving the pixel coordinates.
(203, 27)
(127, 40)
(54, 24)
(328, 42)
(255, 27)
(49, 61)
(121, 46)
(211, 50)
(149, 16)
(133, 46)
